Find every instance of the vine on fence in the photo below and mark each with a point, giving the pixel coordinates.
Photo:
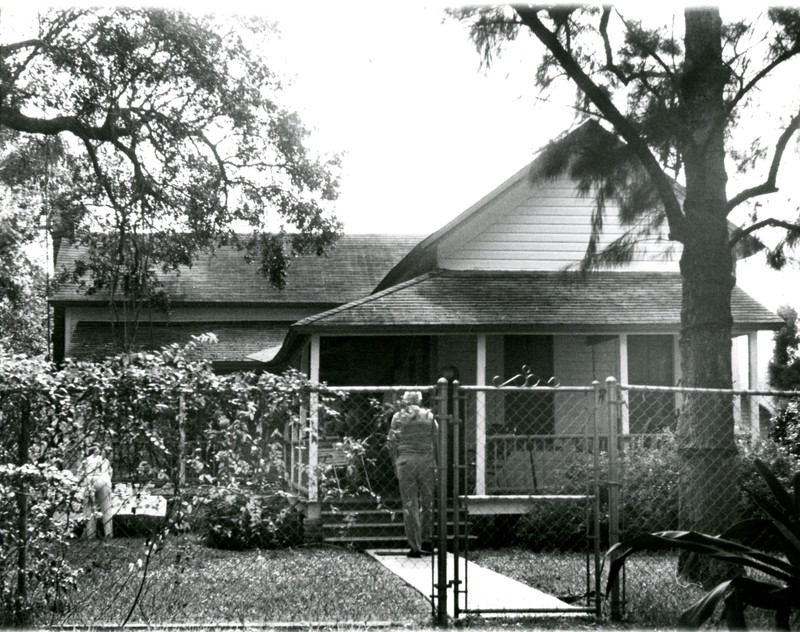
(149, 407)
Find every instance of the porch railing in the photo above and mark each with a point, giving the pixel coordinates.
(518, 463)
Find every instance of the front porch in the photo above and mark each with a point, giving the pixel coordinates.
(521, 436)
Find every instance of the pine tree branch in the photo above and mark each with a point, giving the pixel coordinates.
(7, 49)
(530, 18)
(744, 90)
(612, 67)
(768, 186)
(741, 233)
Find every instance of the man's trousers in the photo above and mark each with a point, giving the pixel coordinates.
(416, 476)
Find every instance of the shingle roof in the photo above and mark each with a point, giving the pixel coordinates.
(235, 341)
(505, 301)
(352, 269)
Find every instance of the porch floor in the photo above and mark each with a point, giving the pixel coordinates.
(487, 589)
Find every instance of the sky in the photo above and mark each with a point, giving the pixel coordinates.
(424, 132)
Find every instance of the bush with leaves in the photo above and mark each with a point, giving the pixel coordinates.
(243, 501)
(38, 493)
(785, 426)
(43, 577)
(236, 519)
(775, 586)
(649, 498)
(649, 494)
(777, 457)
(144, 405)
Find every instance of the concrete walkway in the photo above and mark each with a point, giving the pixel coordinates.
(488, 590)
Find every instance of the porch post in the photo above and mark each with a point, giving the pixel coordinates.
(314, 511)
(623, 379)
(677, 370)
(480, 419)
(752, 384)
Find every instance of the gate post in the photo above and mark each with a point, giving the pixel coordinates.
(612, 390)
(441, 550)
(455, 468)
(596, 494)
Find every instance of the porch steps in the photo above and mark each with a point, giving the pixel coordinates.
(360, 523)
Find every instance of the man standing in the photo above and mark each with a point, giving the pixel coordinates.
(412, 445)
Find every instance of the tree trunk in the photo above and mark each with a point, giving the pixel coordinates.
(705, 435)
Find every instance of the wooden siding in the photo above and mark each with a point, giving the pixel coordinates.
(181, 313)
(546, 228)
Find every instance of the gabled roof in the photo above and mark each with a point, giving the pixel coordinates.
(352, 269)
(485, 301)
(423, 257)
(237, 342)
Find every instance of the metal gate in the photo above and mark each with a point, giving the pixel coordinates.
(514, 459)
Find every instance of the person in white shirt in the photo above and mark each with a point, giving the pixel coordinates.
(96, 472)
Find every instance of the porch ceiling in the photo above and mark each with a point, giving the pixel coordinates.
(446, 300)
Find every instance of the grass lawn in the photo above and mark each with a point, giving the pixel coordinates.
(190, 583)
(654, 597)
(187, 582)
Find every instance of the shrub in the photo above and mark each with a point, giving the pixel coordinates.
(236, 519)
(648, 499)
(551, 525)
(650, 491)
(785, 426)
(46, 577)
(649, 495)
(775, 586)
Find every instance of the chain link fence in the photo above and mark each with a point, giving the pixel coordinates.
(693, 470)
(531, 487)
(538, 490)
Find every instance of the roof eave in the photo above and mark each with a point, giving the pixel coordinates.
(501, 328)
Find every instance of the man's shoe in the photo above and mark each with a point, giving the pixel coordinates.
(413, 553)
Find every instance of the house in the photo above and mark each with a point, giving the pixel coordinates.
(496, 292)
(491, 292)
(224, 294)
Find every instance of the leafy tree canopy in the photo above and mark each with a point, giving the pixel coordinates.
(23, 311)
(148, 135)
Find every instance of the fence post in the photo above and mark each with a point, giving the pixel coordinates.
(182, 441)
(441, 550)
(480, 420)
(23, 454)
(455, 468)
(314, 508)
(612, 391)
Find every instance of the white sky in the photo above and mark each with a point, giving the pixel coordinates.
(424, 132)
